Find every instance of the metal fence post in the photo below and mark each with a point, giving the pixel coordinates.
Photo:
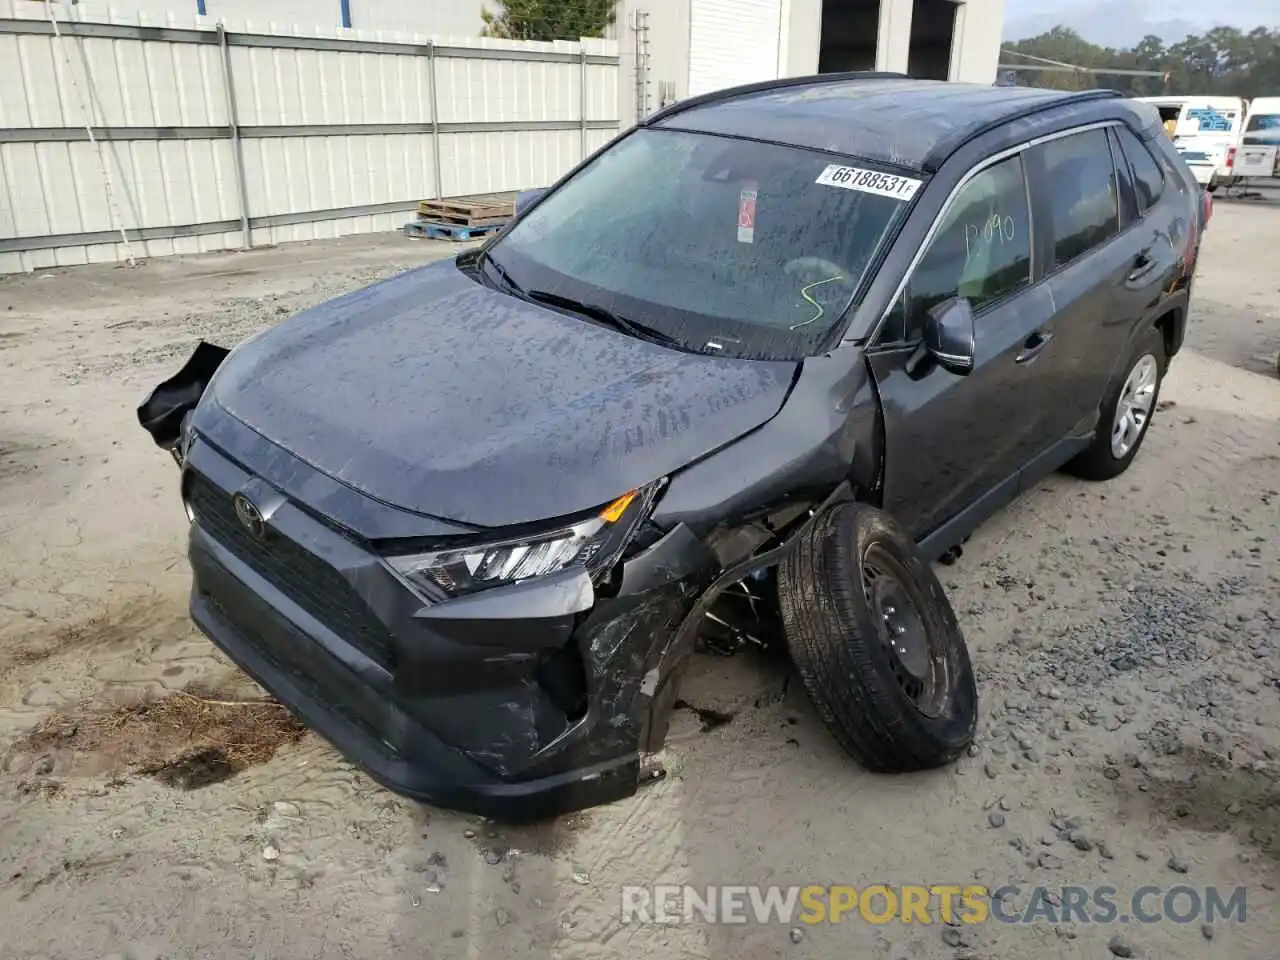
(237, 152)
(582, 99)
(435, 119)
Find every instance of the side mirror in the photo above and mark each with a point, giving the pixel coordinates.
(948, 335)
(526, 198)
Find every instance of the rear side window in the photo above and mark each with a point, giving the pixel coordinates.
(982, 250)
(1083, 199)
(1148, 180)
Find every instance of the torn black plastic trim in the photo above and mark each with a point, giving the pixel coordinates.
(161, 414)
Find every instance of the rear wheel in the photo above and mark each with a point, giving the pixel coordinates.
(1126, 413)
(876, 642)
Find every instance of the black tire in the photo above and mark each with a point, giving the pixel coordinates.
(1099, 462)
(841, 647)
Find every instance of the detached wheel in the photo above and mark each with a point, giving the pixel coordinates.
(1126, 413)
(876, 642)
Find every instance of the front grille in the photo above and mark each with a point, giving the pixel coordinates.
(300, 575)
(311, 689)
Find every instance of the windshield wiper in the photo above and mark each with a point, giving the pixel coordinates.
(594, 311)
(501, 271)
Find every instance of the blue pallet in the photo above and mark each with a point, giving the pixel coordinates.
(433, 230)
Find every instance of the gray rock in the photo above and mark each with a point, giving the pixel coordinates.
(1177, 865)
(952, 937)
(796, 934)
(1081, 842)
(1120, 947)
(503, 916)
(995, 818)
(1206, 931)
(989, 770)
(1111, 773)
(493, 857)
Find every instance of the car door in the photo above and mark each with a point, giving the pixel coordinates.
(1104, 265)
(950, 440)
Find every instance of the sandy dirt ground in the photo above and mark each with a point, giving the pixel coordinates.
(1127, 638)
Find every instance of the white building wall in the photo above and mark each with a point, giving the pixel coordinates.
(975, 51)
(979, 33)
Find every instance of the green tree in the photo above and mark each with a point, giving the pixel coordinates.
(1221, 61)
(549, 19)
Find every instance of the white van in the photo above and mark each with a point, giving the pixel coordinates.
(1208, 135)
(1259, 152)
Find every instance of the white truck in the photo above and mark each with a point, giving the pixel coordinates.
(1258, 156)
(1208, 137)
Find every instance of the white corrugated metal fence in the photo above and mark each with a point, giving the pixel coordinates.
(208, 136)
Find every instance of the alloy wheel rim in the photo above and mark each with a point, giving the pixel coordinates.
(1133, 409)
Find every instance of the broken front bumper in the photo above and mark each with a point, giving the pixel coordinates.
(525, 702)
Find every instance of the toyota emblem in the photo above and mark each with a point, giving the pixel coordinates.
(250, 516)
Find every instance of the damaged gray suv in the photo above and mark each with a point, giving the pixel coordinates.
(758, 361)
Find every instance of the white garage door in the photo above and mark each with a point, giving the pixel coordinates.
(732, 42)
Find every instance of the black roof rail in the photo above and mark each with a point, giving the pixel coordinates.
(762, 86)
(946, 148)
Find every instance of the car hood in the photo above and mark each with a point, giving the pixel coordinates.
(439, 395)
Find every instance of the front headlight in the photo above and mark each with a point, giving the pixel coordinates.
(596, 543)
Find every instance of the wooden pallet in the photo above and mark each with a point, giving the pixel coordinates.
(456, 232)
(465, 221)
(475, 211)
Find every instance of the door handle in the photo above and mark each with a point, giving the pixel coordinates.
(1033, 345)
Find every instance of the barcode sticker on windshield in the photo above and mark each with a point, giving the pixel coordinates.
(868, 181)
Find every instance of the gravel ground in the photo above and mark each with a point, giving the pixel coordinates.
(1125, 637)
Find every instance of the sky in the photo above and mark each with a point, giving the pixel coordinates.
(1124, 22)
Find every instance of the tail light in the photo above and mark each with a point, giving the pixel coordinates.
(1208, 206)
(1231, 157)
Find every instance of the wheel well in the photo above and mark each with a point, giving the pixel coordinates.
(1170, 327)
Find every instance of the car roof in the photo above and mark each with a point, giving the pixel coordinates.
(885, 118)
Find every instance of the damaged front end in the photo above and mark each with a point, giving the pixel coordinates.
(519, 700)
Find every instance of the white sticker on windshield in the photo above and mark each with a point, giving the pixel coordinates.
(868, 181)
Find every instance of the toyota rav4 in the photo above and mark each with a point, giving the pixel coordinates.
(766, 355)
